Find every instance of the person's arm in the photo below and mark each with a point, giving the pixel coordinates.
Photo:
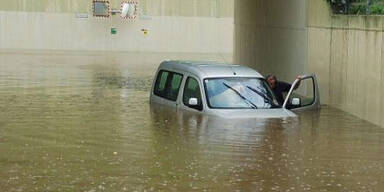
(284, 86)
(298, 83)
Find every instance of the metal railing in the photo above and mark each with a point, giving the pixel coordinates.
(358, 7)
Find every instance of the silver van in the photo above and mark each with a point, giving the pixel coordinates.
(229, 91)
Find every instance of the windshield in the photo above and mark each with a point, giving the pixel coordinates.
(239, 93)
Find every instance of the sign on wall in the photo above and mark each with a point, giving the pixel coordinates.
(129, 9)
(100, 8)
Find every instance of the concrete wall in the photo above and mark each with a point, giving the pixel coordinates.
(271, 36)
(173, 26)
(205, 8)
(348, 53)
(319, 50)
(291, 37)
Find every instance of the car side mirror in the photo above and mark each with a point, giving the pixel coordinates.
(192, 102)
(295, 102)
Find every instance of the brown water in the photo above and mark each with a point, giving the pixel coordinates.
(82, 122)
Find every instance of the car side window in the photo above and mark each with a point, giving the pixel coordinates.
(304, 95)
(175, 86)
(168, 85)
(162, 79)
(192, 90)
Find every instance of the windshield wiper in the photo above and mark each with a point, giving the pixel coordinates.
(241, 96)
(266, 98)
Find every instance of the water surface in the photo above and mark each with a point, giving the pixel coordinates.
(82, 122)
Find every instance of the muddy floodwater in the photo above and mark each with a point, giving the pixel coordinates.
(82, 122)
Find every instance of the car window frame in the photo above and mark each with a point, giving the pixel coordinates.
(313, 92)
(315, 103)
(200, 91)
(168, 83)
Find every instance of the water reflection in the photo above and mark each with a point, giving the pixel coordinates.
(82, 122)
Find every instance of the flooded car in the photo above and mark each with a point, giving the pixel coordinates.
(225, 90)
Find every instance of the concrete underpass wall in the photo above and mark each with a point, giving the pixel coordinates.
(290, 37)
(271, 36)
(347, 51)
(204, 26)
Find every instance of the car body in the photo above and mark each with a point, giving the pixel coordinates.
(225, 90)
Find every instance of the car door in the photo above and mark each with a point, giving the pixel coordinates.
(167, 88)
(303, 95)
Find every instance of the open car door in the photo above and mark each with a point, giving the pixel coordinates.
(304, 97)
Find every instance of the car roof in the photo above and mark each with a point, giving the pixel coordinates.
(209, 69)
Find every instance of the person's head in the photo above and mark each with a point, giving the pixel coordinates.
(272, 80)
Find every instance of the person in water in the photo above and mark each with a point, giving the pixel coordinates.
(279, 87)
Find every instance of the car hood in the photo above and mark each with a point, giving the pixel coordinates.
(252, 113)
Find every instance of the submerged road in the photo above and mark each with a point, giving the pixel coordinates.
(82, 122)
